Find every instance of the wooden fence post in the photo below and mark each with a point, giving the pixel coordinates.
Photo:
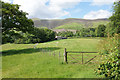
(82, 58)
(43, 51)
(49, 52)
(65, 56)
(59, 55)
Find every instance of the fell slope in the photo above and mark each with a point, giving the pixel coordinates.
(69, 23)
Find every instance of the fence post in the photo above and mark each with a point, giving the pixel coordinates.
(65, 56)
(49, 52)
(82, 58)
(54, 53)
(43, 51)
(59, 55)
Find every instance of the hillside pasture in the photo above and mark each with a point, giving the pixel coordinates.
(78, 26)
(23, 60)
(74, 26)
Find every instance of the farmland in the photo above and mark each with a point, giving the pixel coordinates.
(23, 61)
(52, 40)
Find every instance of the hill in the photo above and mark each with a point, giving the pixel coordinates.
(69, 23)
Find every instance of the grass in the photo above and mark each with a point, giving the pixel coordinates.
(78, 26)
(74, 26)
(96, 24)
(23, 61)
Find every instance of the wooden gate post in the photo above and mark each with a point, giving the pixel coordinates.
(65, 56)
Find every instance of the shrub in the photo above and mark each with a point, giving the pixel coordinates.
(111, 67)
(66, 34)
(38, 35)
(86, 32)
(19, 41)
(100, 31)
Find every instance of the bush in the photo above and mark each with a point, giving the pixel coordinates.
(38, 35)
(86, 32)
(111, 67)
(100, 31)
(49, 34)
(19, 41)
(107, 45)
(66, 34)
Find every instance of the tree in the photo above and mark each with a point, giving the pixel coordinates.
(100, 31)
(92, 32)
(14, 20)
(84, 32)
(43, 34)
(110, 68)
(49, 34)
(114, 25)
(66, 34)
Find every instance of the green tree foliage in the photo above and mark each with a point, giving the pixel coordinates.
(86, 32)
(66, 34)
(44, 34)
(92, 32)
(110, 48)
(100, 31)
(17, 28)
(38, 35)
(0, 9)
(14, 20)
(114, 25)
(49, 34)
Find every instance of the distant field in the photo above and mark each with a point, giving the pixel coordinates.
(23, 61)
(78, 26)
(96, 24)
(74, 26)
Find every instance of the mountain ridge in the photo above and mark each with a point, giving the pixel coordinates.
(53, 23)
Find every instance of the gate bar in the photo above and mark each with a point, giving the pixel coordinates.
(79, 52)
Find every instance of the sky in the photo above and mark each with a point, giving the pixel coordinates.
(61, 9)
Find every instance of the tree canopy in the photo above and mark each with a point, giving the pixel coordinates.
(14, 19)
(100, 31)
(110, 48)
(114, 25)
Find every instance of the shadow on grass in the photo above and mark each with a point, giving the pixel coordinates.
(28, 51)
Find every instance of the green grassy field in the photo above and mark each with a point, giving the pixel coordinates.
(23, 61)
(74, 26)
(78, 26)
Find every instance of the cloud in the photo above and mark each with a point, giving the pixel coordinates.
(102, 2)
(65, 3)
(48, 9)
(97, 14)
